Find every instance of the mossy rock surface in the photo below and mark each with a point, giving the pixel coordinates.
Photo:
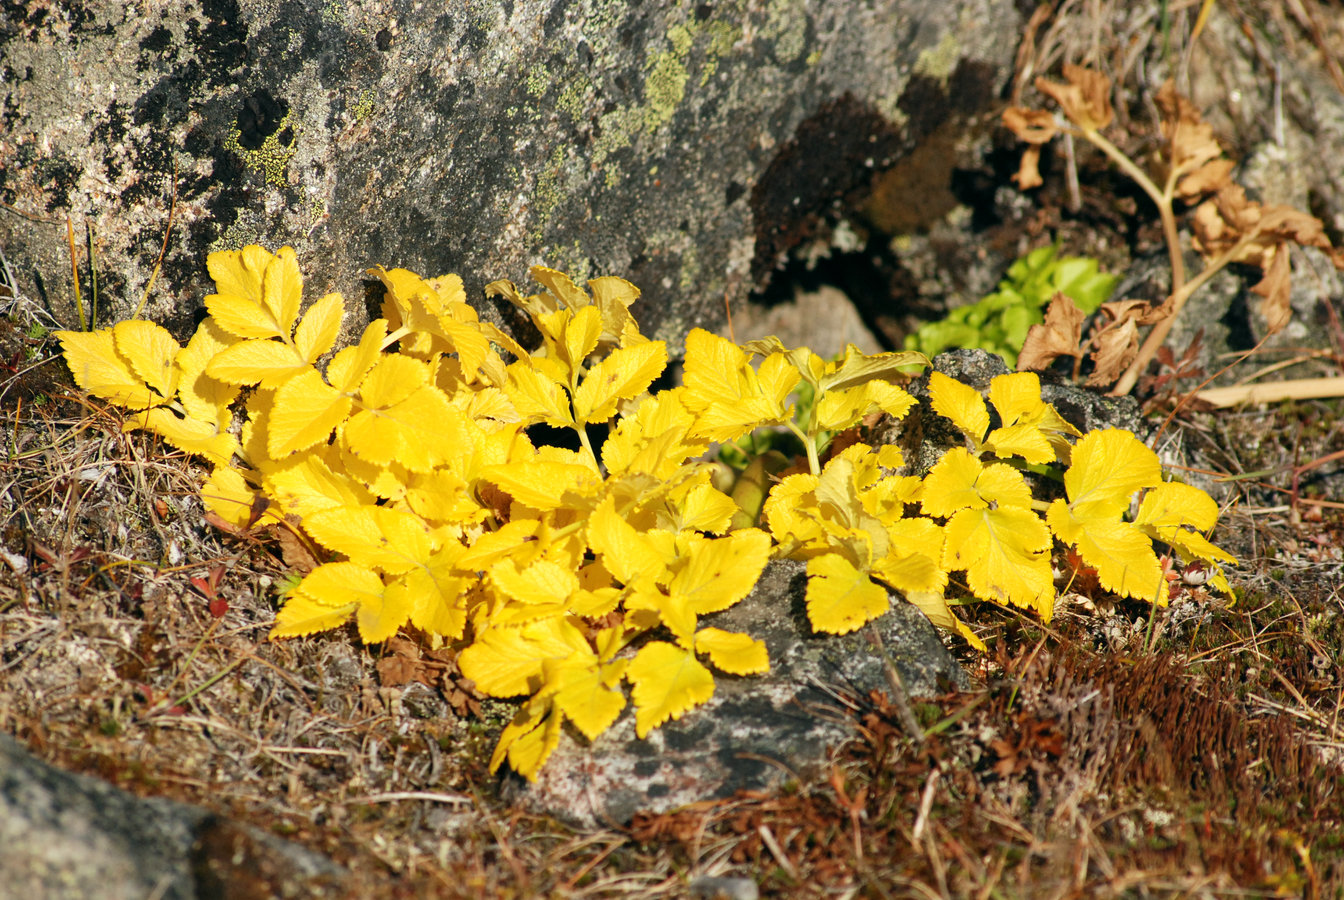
(685, 147)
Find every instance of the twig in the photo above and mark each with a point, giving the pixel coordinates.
(905, 714)
(1296, 389)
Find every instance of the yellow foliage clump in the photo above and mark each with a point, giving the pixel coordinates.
(562, 573)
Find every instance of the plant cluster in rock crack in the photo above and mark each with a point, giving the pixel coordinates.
(407, 464)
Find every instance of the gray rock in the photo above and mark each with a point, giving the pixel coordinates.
(684, 146)
(755, 733)
(71, 836)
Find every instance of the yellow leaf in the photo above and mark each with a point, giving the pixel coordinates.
(537, 398)
(542, 484)
(960, 481)
(227, 494)
(204, 398)
(374, 536)
(528, 741)
(263, 362)
(666, 682)
(506, 662)
(1176, 514)
(238, 272)
(697, 506)
(1107, 467)
(318, 329)
(627, 554)
(1032, 429)
(435, 596)
(337, 586)
(380, 616)
(392, 379)
(306, 410)
(351, 365)
(728, 397)
(258, 293)
(1122, 554)
(934, 605)
(841, 409)
(541, 582)
(188, 435)
(736, 654)
(962, 404)
(98, 368)
(623, 374)
(857, 367)
(418, 431)
(841, 598)
(305, 484)
(339, 583)
(1004, 553)
(581, 333)
(584, 694)
(151, 351)
(719, 572)
(282, 289)
(301, 616)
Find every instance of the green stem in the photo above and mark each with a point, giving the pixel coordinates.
(812, 462)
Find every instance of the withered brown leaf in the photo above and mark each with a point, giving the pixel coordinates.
(1060, 335)
(1276, 288)
(1085, 98)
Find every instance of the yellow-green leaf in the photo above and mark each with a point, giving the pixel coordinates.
(731, 652)
(841, 598)
(318, 328)
(624, 373)
(666, 682)
(263, 362)
(306, 410)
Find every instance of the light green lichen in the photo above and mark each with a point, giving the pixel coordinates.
(272, 158)
(940, 60)
(786, 27)
(572, 99)
(538, 80)
(665, 85)
(364, 106)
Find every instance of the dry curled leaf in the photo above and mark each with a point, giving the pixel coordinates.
(1190, 141)
(1116, 348)
(1276, 288)
(1060, 335)
(1085, 98)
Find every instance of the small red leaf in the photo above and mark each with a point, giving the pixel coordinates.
(218, 607)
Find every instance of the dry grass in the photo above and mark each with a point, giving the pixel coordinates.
(1195, 753)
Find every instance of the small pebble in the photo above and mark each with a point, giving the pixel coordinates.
(709, 887)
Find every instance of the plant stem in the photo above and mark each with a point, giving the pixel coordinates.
(813, 463)
(1177, 302)
(1161, 198)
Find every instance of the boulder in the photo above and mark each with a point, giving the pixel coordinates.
(756, 732)
(686, 147)
(71, 836)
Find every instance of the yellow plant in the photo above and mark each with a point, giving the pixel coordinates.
(562, 574)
